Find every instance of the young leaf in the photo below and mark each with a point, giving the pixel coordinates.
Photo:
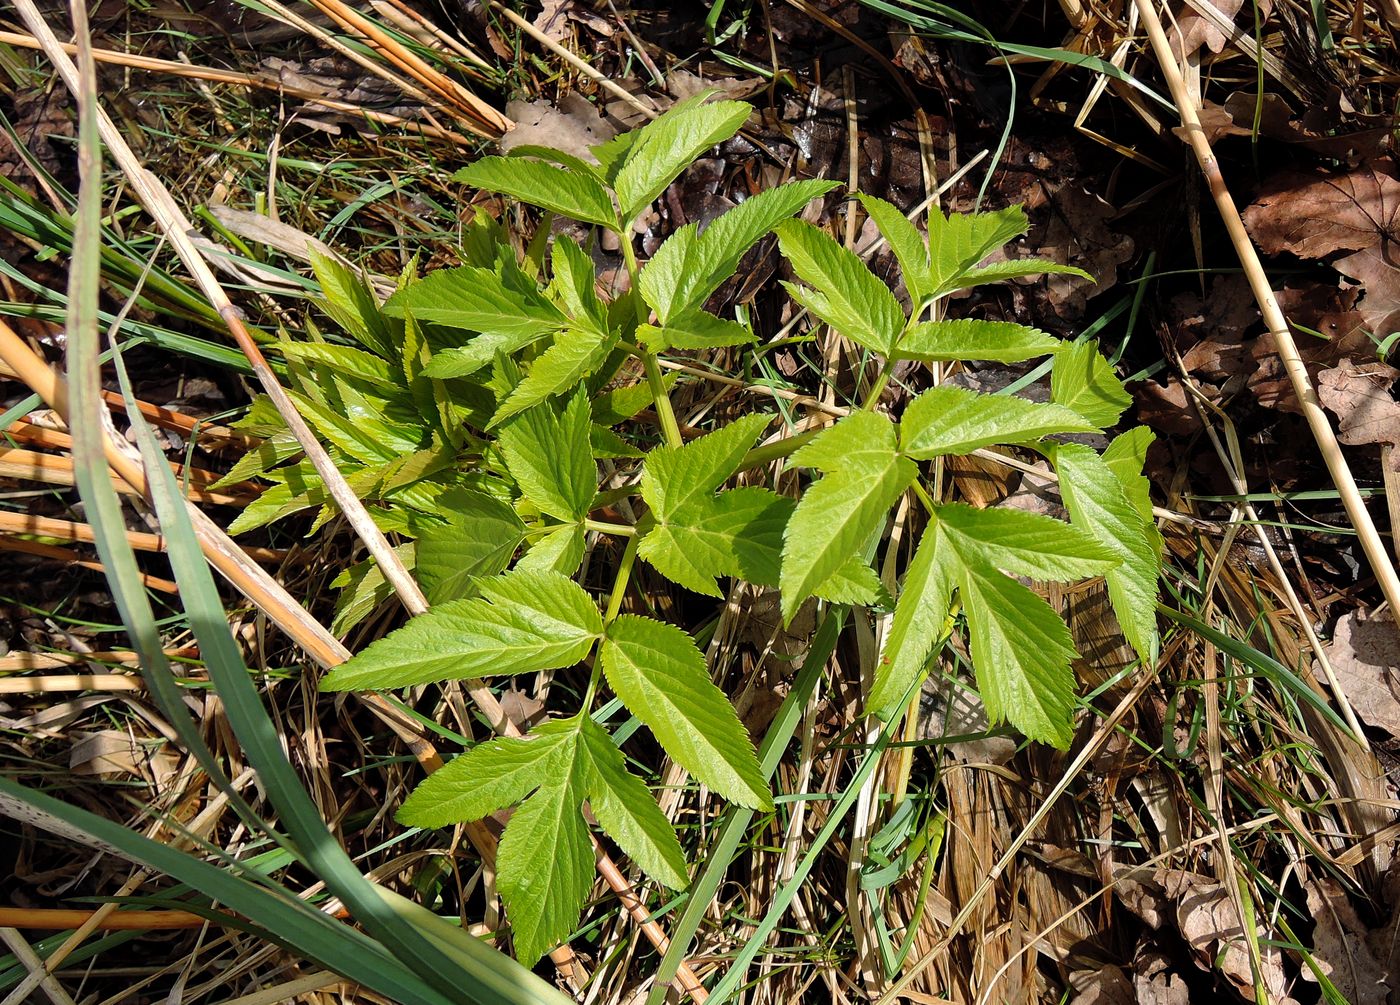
(1017, 269)
(547, 452)
(1083, 380)
(576, 354)
(694, 329)
(576, 284)
(906, 242)
(1021, 650)
(661, 677)
(478, 540)
(953, 420)
(667, 145)
(546, 859)
(967, 338)
(343, 359)
(1022, 544)
(1125, 457)
(920, 620)
(958, 242)
(352, 305)
(675, 476)
(573, 193)
(478, 300)
(844, 293)
(1098, 501)
(865, 474)
(689, 266)
(521, 622)
(627, 811)
(558, 551)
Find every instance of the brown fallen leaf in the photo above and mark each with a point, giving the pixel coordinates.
(1365, 655)
(1340, 946)
(1313, 216)
(1208, 921)
(1107, 985)
(1199, 30)
(1155, 980)
(573, 126)
(1360, 398)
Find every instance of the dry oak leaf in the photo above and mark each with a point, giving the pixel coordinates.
(1365, 654)
(1199, 29)
(1360, 398)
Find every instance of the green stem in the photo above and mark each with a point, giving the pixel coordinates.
(876, 389)
(776, 450)
(624, 573)
(665, 414)
(604, 527)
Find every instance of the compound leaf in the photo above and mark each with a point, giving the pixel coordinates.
(521, 622)
(493, 775)
(675, 476)
(660, 676)
(577, 353)
(478, 300)
(694, 329)
(958, 242)
(954, 420)
(1018, 268)
(689, 266)
(843, 292)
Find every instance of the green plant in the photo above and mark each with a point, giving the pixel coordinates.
(479, 399)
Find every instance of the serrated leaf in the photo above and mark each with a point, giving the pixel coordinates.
(546, 859)
(547, 453)
(522, 622)
(558, 551)
(675, 476)
(1098, 502)
(953, 420)
(365, 436)
(660, 676)
(920, 620)
(576, 284)
(968, 338)
(494, 774)
(545, 867)
(844, 293)
(1125, 457)
(626, 810)
(668, 145)
(476, 300)
(478, 540)
(1017, 269)
(905, 241)
(576, 354)
(865, 474)
(689, 266)
(694, 330)
(621, 403)
(1083, 380)
(606, 443)
(958, 242)
(274, 450)
(352, 305)
(343, 359)
(573, 193)
(1021, 651)
(1022, 543)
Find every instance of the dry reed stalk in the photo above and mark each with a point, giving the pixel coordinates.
(70, 557)
(1371, 544)
(67, 530)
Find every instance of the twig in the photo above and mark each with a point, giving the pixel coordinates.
(1371, 543)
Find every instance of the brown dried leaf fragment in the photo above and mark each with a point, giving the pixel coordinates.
(1365, 654)
(1360, 398)
(1314, 216)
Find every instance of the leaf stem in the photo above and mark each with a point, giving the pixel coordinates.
(624, 574)
(604, 527)
(878, 388)
(670, 428)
